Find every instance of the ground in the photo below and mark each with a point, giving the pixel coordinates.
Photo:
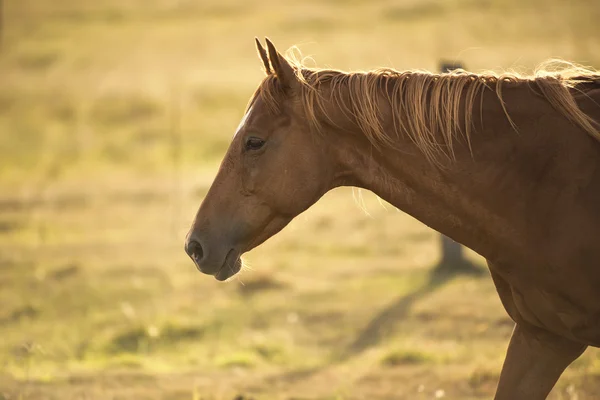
(113, 119)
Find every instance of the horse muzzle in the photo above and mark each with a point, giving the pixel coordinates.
(210, 263)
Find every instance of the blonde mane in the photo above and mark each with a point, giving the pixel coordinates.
(425, 106)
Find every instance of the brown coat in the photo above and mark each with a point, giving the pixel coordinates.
(506, 165)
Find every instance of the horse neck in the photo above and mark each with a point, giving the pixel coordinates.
(461, 199)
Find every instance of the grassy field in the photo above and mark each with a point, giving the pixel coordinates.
(113, 118)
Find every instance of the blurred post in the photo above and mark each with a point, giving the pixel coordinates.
(452, 252)
(449, 66)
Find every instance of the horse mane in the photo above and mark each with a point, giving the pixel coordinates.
(425, 106)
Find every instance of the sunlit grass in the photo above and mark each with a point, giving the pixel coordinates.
(113, 118)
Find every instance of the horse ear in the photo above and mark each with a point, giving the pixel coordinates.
(283, 69)
(263, 56)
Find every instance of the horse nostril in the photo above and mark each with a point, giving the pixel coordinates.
(194, 250)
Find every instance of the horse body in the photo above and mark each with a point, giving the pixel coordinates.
(509, 167)
(552, 184)
(528, 201)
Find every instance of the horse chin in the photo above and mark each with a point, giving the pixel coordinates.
(230, 267)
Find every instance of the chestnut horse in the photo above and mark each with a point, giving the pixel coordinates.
(505, 164)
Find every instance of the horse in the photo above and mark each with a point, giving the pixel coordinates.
(505, 164)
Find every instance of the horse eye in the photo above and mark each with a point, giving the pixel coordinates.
(254, 143)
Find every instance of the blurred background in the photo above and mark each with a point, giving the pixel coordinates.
(114, 116)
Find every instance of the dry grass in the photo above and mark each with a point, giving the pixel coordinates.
(113, 118)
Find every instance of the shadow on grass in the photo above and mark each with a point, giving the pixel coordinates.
(384, 324)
